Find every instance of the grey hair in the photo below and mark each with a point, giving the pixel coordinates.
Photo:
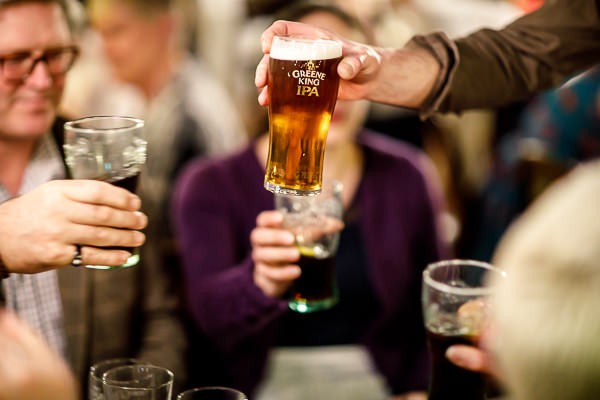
(72, 9)
(546, 321)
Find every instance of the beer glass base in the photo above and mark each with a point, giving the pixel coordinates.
(311, 306)
(131, 261)
(271, 187)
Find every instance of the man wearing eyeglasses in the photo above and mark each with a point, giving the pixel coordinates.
(48, 222)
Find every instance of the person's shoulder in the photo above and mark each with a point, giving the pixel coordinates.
(216, 180)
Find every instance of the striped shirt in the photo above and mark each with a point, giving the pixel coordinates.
(36, 297)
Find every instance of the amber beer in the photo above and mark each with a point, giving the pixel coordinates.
(303, 87)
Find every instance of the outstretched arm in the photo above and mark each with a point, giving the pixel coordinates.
(488, 68)
(402, 77)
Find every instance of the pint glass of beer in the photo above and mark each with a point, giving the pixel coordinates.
(107, 148)
(316, 222)
(303, 87)
(455, 309)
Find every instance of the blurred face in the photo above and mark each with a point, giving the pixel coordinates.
(28, 105)
(132, 43)
(349, 116)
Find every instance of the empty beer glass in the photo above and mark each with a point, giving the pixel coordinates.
(303, 87)
(456, 310)
(97, 371)
(107, 148)
(316, 222)
(138, 382)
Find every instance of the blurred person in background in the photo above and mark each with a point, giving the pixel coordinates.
(186, 110)
(556, 130)
(46, 222)
(545, 320)
(239, 261)
(543, 336)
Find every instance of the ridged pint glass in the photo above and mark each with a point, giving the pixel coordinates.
(107, 148)
(95, 384)
(456, 310)
(316, 222)
(303, 88)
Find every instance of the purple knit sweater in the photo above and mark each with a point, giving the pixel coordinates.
(215, 205)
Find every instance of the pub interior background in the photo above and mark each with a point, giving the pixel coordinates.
(224, 36)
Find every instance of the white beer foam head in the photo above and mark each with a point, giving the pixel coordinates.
(292, 48)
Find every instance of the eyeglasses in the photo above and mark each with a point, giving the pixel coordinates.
(18, 66)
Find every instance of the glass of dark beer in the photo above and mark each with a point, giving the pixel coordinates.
(303, 88)
(316, 222)
(455, 310)
(107, 148)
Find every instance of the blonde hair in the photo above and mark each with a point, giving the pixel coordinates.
(546, 319)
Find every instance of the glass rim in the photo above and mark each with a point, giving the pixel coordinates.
(469, 291)
(123, 383)
(209, 388)
(72, 125)
(329, 186)
(95, 367)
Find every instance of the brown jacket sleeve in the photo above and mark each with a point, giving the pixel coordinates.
(491, 68)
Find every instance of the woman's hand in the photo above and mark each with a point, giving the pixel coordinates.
(274, 254)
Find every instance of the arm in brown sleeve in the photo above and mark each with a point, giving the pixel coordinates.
(492, 68)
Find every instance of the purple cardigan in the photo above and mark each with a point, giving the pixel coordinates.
(215, 205)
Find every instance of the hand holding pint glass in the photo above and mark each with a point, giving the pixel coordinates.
(455, 310)
(303, 87)
(107, 148)
(316, 222)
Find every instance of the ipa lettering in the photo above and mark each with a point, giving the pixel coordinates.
(307, 91)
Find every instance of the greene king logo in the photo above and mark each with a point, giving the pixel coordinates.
(309, 79)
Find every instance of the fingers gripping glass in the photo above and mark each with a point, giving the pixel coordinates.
(18, 66)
